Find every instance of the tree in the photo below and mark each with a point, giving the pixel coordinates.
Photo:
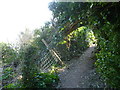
(25, 37)
(103, 18)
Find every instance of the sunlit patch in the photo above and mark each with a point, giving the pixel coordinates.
(57, 69)
(19, 77)
(90, 38)
(16, 16)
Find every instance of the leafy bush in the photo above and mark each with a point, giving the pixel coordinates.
(45, 80)
(108, 58)
(78, 44)
(10, 86)
(8, 73)
(7, 76)
(31, 76)
(40, 80)
(8, 53)
(28, 66)
(103, 18)
(13, 85)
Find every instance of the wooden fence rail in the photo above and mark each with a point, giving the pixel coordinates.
(51, 58)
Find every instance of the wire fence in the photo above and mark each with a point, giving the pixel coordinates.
(43, 64)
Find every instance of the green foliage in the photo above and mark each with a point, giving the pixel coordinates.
(108, 58)
(40, 80)
(31, 55)
(10, 86)
(13, 85)
(90, 37)
(78, 41)
(29, 67)
(67, 12)
(8, 53)
(71, 21)
(8, 73)
(45, 80)
(65, 17)
(103, 18)
(32, 78)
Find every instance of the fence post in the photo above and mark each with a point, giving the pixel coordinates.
(53, 53)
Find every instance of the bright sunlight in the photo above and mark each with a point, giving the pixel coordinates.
(17, 15)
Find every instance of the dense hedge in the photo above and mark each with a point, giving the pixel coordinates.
(104, 19)
(108, 35)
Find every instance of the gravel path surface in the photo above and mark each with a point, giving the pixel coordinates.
(81, 73)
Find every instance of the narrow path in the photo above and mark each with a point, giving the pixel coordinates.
(78, 72)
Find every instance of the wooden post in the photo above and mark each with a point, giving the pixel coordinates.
(45, 43)
(53, 53)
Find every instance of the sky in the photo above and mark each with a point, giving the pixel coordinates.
(17, 15)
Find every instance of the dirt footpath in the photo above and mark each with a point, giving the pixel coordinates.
(81, 73)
